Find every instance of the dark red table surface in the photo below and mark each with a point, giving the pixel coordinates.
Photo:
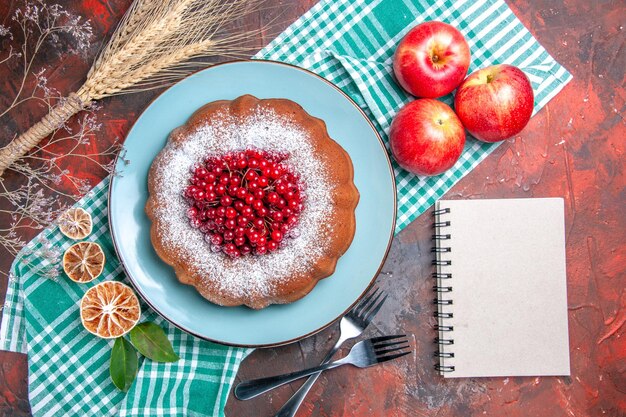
(573, 148)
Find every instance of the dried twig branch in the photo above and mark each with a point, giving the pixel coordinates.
(153, 44)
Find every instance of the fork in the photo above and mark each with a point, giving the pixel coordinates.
(362, 355)
(351, 325)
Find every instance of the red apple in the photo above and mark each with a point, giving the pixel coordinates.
(431, 60)
(495, 103)
(426, 137)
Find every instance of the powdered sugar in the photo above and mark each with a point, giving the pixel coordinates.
(249, 275)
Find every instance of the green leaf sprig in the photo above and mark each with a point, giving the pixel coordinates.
(123, 367)
(150, 340)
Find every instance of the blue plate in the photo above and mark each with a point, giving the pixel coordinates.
(333, 296)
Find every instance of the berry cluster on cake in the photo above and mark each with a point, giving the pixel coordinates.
(252, 202)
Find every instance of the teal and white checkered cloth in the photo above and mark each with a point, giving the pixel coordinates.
(350, 43)
(69, 367)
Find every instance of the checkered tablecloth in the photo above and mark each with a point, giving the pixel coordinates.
(351, 44)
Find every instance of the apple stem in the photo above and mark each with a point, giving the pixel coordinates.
(435, 58)
(489, 78)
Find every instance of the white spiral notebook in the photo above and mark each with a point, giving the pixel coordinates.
(501, 288)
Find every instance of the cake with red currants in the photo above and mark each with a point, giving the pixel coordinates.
(252, 202)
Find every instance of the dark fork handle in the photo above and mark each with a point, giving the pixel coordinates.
(254, 387)
(290, 408)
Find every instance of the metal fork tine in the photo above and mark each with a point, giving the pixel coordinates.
(376, 308)
(362, 355)
(351, 325)
(371, 299)
(383, 352)
(371, 305)
(361, 304)
(388, 344)
(384, 338)
(391, 357)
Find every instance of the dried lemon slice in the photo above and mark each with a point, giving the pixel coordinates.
(75, 223)
(83, 261)
(109, 310)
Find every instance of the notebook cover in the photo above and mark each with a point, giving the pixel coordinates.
(508, 282)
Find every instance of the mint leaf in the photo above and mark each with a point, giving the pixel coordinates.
(123, 366)
(151, 341)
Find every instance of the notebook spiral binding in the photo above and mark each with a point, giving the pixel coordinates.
(442, 288)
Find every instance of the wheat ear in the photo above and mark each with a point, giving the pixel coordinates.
(152, 46)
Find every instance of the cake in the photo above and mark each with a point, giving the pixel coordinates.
(251, 202)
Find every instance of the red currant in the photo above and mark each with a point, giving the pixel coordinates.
(272, 246)
(241, 163)
(275, 173)
(231, 213)
(258, 223)
(259, 194)
(216, 239)
(281, 188)
(190, 191)
(244, 200)
(277, 216)
(267, 171)
(254, 236)
(272, 198)
(226, 201)
(199, 195)
(192, 212)
(242, 193)
(200, 172)
(257, 204)
(277, 236)
(251, 176)
(239, 205)
(253, 163)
